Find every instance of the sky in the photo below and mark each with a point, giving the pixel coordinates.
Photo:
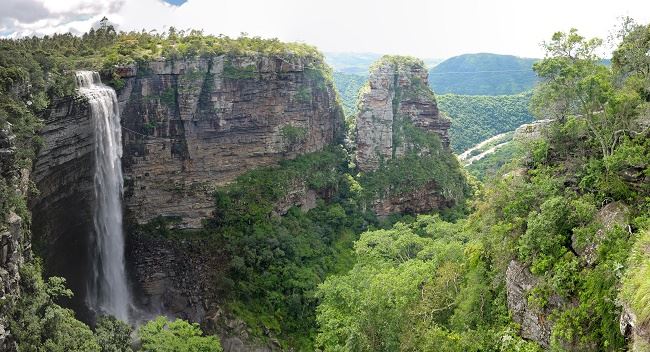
(427, 29)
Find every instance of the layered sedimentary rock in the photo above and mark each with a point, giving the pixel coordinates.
(188, 127)
(397, 116)
(62, 207)
(418, 201)
(193, 125)
(397, 94)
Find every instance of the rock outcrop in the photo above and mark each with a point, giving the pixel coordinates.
(15, 239)
(531, 131)
(534, 322)
(418, 201)
(608, 217)
(397, 95)
(399, 118)
(193, 125)
(184, 278)
(636, 333)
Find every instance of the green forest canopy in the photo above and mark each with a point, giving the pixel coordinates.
(425, 283)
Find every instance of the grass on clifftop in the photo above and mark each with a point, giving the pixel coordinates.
(397, 61)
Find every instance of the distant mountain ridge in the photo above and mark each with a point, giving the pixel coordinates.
(483, 74)
(358, 63)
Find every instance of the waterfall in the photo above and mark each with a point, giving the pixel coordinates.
(108, 291)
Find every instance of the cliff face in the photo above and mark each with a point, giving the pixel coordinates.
(537, 323)
(188, 126)
(15, 244)
(398, 115)
(62, 208)
(196, 124)
(397, 93)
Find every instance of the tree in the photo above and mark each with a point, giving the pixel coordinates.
(162, 335)
(113, 335)
(631, 56)
(399, 277)
(39, 324)
(575, 84)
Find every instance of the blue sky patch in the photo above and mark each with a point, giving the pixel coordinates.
(175, 2)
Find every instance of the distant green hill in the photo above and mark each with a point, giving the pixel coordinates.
(348, 86)
(483, 74)
(351, 63)
(358, 63)
(476, 118)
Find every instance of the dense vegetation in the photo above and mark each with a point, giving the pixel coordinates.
(477, 118)
(427, 284)
(34, 72)
(474, 118)
(420, 284)
(279, 253)
(483, 74)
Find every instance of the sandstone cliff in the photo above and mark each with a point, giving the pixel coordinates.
(62, 208)
(192, 125)
(400, 131)
(397, 94)
(189, 126)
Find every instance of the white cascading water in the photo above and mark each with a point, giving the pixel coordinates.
(108, 291)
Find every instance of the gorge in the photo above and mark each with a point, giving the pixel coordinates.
(217, 181)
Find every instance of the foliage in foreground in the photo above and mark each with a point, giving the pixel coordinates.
(432, 285)
(37, 323)
(163, 335)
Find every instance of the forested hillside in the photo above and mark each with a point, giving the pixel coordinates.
(348, 86)
(359, 63)
(543, 262)
(483, 74)
(478, 117)
(551, 252)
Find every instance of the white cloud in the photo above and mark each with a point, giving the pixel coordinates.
(39, 17)
(421, 28)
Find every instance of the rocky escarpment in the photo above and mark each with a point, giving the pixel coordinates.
(192, 125)
(399, 118)
(15, 244)
(184, 278)
(396, 96)
(62, 207)
(536, 323)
